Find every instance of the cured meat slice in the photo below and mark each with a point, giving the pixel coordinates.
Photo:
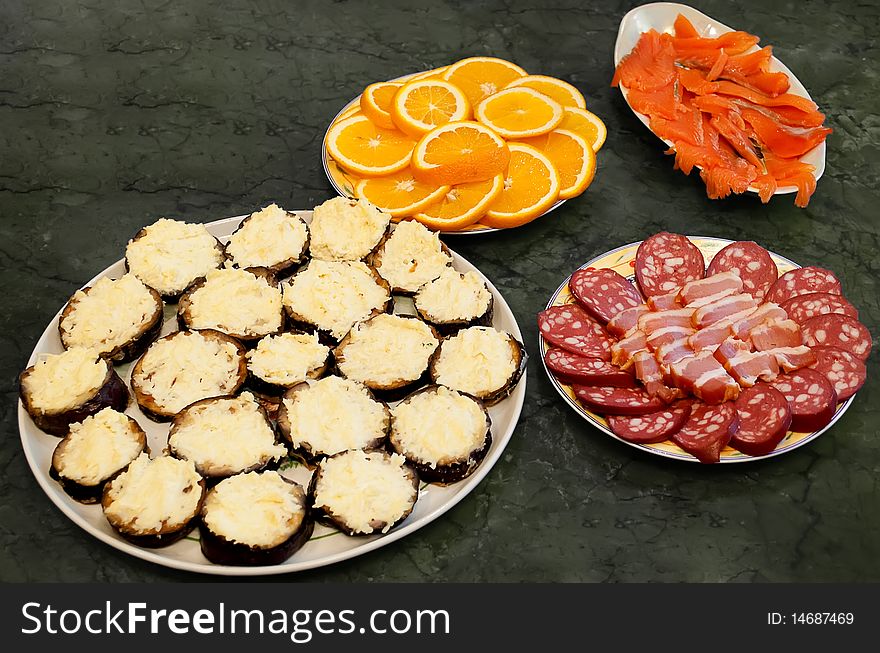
(652, 428)
(764, 313)
(667, 261)
(571, 368)
(716, 286)
(703, 376)
(841, 331)
(712, 336)
(724, 308)
(846, 372)
(649, 373)
(570, 327)
(707, 431)
(810, 396)
(604, 293)
(773, 335)
(751, 263)
(666, 335)
(673, 351)
(790, 359)
(667, 302)
(744, 365)
(764, 420)
(623, 350)
(803, 281)
(622, 323)
(803, 307)
(618, 401)
(651, 322)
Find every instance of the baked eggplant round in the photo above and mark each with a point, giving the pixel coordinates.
(346, 229)
(254, 519)
(454, 301)
(169, 255)
(388, 353)
(483, 362)
(271, 238)
(322, 418)
(223, 436)
(184, 367)
(411, 257)
(363, 492)
(331, 296)
(156, 502)
(65, 388)
(444, 434)
(242, 303)
(118, 317)
(282, 361)
(94, 451)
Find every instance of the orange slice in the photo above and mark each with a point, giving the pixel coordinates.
(399, 194)
(480, 77)
(435, 73)
(353, 110)
(420, 106)
(462, 205)
(530, 188)
(573, 157)
(361, 147)
(459, 152)
(519, 113)
(587, 124)
(563, 92)
(376, 103)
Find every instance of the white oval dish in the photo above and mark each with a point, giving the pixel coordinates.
(660, 16)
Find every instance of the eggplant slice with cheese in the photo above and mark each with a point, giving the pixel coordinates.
(344, 229)
(483, 362)
(169, 255)
(223, 436)
(242, 303)
(411, 257)
(363, 492)
(324, 417)
(331, 296)
(61, 389)
(254, 519)
(184, 367)
(389, 354)
(454, 301)
(444, 434)
(118, 317)
(156, 502)
(271, 238)
(94, 451)
(279, 362)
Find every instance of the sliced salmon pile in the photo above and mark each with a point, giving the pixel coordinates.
(716, 100)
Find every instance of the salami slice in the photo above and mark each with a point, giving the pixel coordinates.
(846, 372)
(840, 331)
(707, 431)
(570, 327)
(803, 281)
(803, 307)
(573, 369)
(667, 261)
(651, 428)
(751, 263)
(810, 396)
(764, 419)
(604, 293)
(618, 401)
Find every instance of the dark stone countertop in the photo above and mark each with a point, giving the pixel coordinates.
(113, 116)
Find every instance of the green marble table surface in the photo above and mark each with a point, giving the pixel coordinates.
(112, 115)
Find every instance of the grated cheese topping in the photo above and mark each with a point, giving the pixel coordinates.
(237, 302)
(287, 358)
(63, 381)
(98, 447)
(346, 230)
(412, 256)
(453, 296)
(269, 236)
(477, 360)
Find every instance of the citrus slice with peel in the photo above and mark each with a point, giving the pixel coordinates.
(462, 205)
(376, 103)
(420, 106)
(435, 73)
(353, 110)
(573, 157)
(480, 77)
(399, 194)
(587, 124)
(459, 152)
(519, 112)
(531, 186)
(563, 92)
(361, 147)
